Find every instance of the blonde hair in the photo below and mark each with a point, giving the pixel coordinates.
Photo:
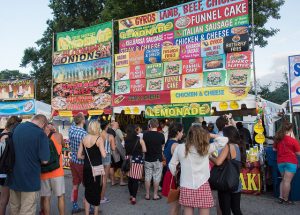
(94, 128)
(199, 138)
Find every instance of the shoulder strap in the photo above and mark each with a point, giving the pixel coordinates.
(97, 139)
(135, 145)
(50, 134)
(229, 151)
(87, 154)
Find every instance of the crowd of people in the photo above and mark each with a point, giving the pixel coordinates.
(162, 156)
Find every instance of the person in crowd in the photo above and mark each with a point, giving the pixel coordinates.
(164, 128)
(11, 124)
(204, 125)
(139, 131)
(175, 134)
(31, 146)
(92, 150)
(53, 182)
(135, 147)
(245, 134)
(76, 135)
(287, 148)
(193, 157)
(154, 141)
(230, 201)
(109, 145)
(210, 129)
(118, 155)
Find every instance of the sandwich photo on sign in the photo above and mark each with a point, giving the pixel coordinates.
(214, 78)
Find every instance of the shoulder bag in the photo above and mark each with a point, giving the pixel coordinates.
(126, 163)
(226, 177)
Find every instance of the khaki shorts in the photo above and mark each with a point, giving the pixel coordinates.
(153, 170)
(55, 186)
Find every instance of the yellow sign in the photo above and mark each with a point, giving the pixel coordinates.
(223, 106)
(65, 113)
(260, 138)
(95, 112)
(170, 53)
(208, 94)
(122, 59)
(258, 128)
(234, 105)
(137, 21)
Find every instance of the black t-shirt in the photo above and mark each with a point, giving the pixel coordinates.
(133, 146)
(154, 141)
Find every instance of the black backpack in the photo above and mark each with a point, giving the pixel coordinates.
(7, 154)
(53, 162)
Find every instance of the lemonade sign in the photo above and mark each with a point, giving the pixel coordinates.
(84, 37)
(178, 110)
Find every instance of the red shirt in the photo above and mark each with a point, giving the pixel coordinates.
(286, 149)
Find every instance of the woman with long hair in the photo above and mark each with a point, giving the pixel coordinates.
(92, 150)
(135, 147)
(175, 134)
(287, 148)
(193, 156)
(236, 149)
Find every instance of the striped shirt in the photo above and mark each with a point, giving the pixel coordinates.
(76, 135)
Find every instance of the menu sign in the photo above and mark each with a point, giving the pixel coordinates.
(137, 86)
(170, 53)
(17, 89)
(236, 43)
(214, 62)
(172, 68)
(154, 70)
(137, 71)
(136, 57)
(191, 50)
(122, 87)
(153, 56)
(192, 66)
(122, 59)
(173, 82)
(122, 73)
(239, 60)
(238, 78)
(212, 47)
(214, 78)
(156, 84)
(192, 81)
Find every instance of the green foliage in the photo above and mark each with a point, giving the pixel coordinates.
(74, 14)
(12, 74)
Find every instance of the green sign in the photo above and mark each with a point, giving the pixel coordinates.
(154, 70)
(84, 37)
(178, 110)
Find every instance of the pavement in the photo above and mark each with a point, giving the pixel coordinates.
(120, 205)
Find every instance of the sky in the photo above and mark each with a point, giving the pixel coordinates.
(22, 23)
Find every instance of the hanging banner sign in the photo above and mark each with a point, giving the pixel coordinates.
(156, 84)
(213, 15)
(239, 60)
(208, 94)
(192, 50)
(152, 56)
(214, 62)
(147, 30)
(178, 110)
(17, 89)
(84, 37)
(136, 57)
(238, 78)
(236, 43)
(170, 53)
(154, 70)
(22, 107)
(138, 86)
(82, 71)
(122, 73)
(82, 54)
(173, 82)
(137, 21)
(294, 73)
(215, 26)
(146, 98)
(151, 42)
(122, 59)
(122, 87)
(192, 81)
(172, 68)
(137, 72)
(192, 66)
(212, 47)
(214, 78)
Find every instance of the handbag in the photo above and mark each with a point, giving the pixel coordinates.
(225, 177)
(96, 170)
(126, 163)
(173, 193)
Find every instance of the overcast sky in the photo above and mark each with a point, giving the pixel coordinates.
(23, 23)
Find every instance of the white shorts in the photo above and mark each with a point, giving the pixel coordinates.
(153, 170)
(53, 186)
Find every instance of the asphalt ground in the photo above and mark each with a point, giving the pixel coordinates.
(253, 205)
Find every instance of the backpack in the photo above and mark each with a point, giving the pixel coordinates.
(53, 162)
(7, 154)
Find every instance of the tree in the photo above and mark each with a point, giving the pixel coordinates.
(12, 74)
(74, 14)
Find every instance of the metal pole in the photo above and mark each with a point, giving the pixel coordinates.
(253, 50)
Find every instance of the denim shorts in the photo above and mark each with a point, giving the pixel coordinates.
(107, 159)
(287, 167)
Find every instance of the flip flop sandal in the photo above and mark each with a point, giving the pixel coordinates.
(147, 198)
(159, 198)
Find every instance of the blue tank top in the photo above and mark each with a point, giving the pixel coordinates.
(167, 151)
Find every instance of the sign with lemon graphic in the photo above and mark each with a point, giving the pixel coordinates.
(84, 37)
(178, 110)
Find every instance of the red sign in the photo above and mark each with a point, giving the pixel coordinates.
(137, 71)
(191, 50)
(192, 66)
(173, 82)
(138, 86)
(239, 60)
(146, 98)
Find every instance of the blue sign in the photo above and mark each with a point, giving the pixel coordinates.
(23, 107)
(152, 56)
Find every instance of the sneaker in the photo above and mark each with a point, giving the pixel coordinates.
(76, 209)
(105, 200)
(91, 210)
